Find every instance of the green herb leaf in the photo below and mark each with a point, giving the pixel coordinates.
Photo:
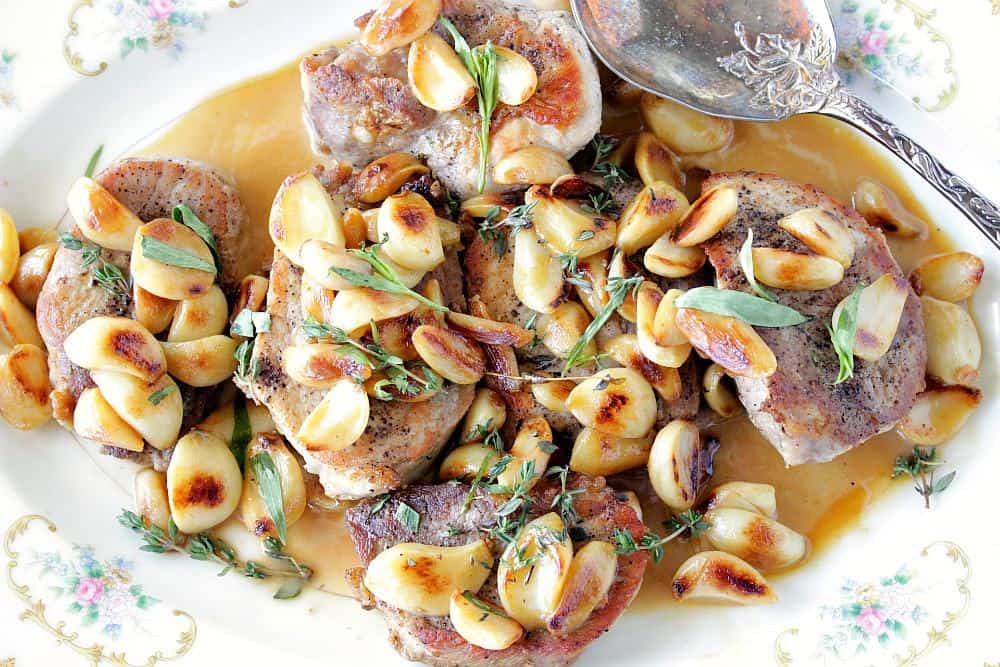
(751, 309)
(290, 589)
(619, 289)
(380, 503)
(244, 359)
(845, 326)
(269, 483)
(158, 251)
(746, 263)
(161, 394)
(242, 431)
(95, 157)
(184, 215)
(482, 606)
(920, 465)
(408, 516)
(384, 278)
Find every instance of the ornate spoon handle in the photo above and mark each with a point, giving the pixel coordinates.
(970, 201)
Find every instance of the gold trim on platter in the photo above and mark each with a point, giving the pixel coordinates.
(921, 21)
(35, 611)
(73, 59)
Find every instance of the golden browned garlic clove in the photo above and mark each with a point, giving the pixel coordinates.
(516, 76)
(880, 308)
(203, 482)
(953, 347)
(707, 216)
(32, 269)
(601, 454)
(553, 395)
(953, 276)
(717, 389)
(166, 280)
(759, 540)
(149, 492)
(656, 162)
(653, 212)
(396, 23)
(715, 576)
(594, 270)
(488, 412)
(303, 210)
(538, 277)
(420, 578)
(563, 327)
(729, 342)
(939, 413)
(10, 248)
(17, 322)
(355, 228)
(678, 464)
(154, 409)
(320, 365)
(618, 401)
(116, 344)
(881, 207)
(794, 271)
(480, 624)
(566, 226)
(533, 443)
(622, 267)
(449, 354)
(32, 237)
(319, 259)
(24, 387)
(353, 310)
(684, 130)
(100, 217)
(437, 76)
(465, 461)
(749, 496)
(383, 177)
(253, 509)
(151, 311)
(200, 317)
(648, 301)
(666, 258)
(316, 302)
(411, 232)
(204, 362)
(488, 331)
(339, 420)
(532, 571)
(95, 419)
(624, 348)
(822, 232)
(591, 574)
(532, 165)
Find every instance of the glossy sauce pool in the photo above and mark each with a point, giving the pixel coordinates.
(254, 132)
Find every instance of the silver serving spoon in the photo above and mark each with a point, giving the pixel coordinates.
(759, 60)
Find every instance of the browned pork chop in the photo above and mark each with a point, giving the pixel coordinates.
(360, 107)
(433, 640)
(151, 188)
(805, 416)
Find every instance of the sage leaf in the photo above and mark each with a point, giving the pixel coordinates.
(746, 263)
(269, 483)
(184, 215)
(844, 327)
(241, 431)
(158, 251)
(95, 157)
(408, 516)
(751, 309)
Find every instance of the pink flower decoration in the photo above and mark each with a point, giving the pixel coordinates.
(873, 42)
(89, 590)
(871, 620)
(161, 9)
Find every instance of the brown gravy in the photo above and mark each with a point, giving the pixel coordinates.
(254, 131)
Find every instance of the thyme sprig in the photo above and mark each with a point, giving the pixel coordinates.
(105, 274)
(687, 522)
(920, 465)
(563, 501)
(384, 278)
(207, 547)
(600, 203)
(619, 289)
(612, 174)
(491, 227)
(602, 145)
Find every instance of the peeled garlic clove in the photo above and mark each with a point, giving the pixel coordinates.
(488, 331)
(599, 454)
(167, 280)
(684, 130)
(157, 422)
(100, 217)
(794, 271)
(355, 228)
(413, 237)
(10, 248)
(591, 574)
(553, 395)
(253, 510)
(881, 207)
(747, 496)
(339, 420)
(201, 363)
(32, 269)
(679, 464)
(200, 317)
(953, 347)
(532, 571)
(707, 216)
(437, 76)
(618, 401)
(319, 259)
(533, 443)
(648, 301)
(316, 302)
(303, 210)
(385, 176)
(203, 482)
(222, 422)
(953, 276)
(252, 295)
(532, 165)
(624, 349)
(320, 365)
(759, 540)
(151, 311)
(561, 329)
(516, 76)
(116, 344)
(488, 412)
(396, 23)
(96, 420)
(32, 237)
(654, 161)
(880, 308)
(822, 232)
(652, 213)
(566, 226)
(149, 491)
(449, 354)
(622, 267)
(538, 278)
(420, 578)
(594, 270)
(465, 461)
(396, 335)
(720, 396)
(24, 387)
(729, 342)
(720, 577)
(665, 330)
(355, 309)
(667, 259)
(480, 624)
(17, 322)
(939, 413)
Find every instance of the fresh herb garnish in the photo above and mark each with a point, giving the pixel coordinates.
(408, 516)
(269, 484)
(733, 303)
(920, 466)
(384, 278)
(242, 431)
(249, 323)
(482, 606)
(481, 473)
(619, 289)
(746, 263)
(602, 145)
(512, 515)
(184, 215)
(563, 501)
(491, 227)
(161, 394)
(246, 369)
(164, 253)
(105, 274)
(95, 157)
(380, 503)
(572, 273)
(687, 522)
(599, 204)
(844, 326)
(482, 66)
(206, 547)
(612, 174)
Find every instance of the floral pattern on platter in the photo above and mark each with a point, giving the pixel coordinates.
(898, 44)
(890, 620)
(7, 98)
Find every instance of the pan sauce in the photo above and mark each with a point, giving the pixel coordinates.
(254, 131)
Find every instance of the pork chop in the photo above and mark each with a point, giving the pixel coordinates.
(151, 188)
(798, 409)
(360, 107)
(433, 640)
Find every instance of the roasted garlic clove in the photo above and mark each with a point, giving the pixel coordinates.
(411, 232)
(537, 276)
(151, 311)
(489, 331)
(648, 301)
(222, 422)
(532, 571)
(201, 363)
(465, 461)
(203, 482)
(759, 540)
(516, 76)
(553, 395)
(319, 259)
(822, 232)
(684, 130)
(116, 344)
(939, 413)
(353, 310)
(953, 276)
(320, 365)
(165, 278)
(32, 269)
(624, 349)
(881, 207)
(666, 258)
(303, 210)
(253, 510)
(717, 389)
(729, 342)
(594, 270)
(339, 420)
(488, 412)
(24, 387)
(794, 271)
(880, 308)
(600, 454)
(437, 76)
(759, 498)
(154, 409)
(653, 212)
(449, 354)
(715, 576)
(481, 624)
(396, 23)
(100, 217)
(655, 162)
(707, 216)
(17, 322)
(533, 443)
(953, 347)
(149, 492)
(95, 419)
(680, 464)
(561, 329)
(532, 165)
(618, 401)
(10, 248)
(201, 317)
(32, 237)
(566, 226)
(591, 574)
